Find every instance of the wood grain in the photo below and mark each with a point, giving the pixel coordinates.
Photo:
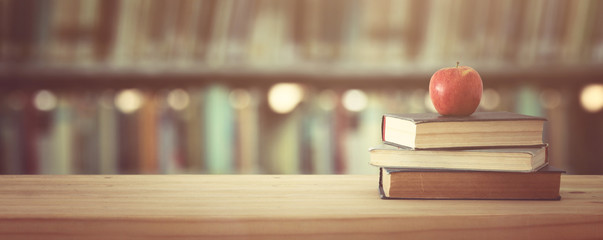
(278, 207)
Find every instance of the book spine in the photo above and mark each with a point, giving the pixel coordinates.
(62, 136)
(246, 104)
(383, 128)
(194, 131)
(128, 148)
(218, 130)
(341, 126)
(219, 33)
(30, 128)
(166, 140)
(107, 134)
(147, 137)
(106, 28)
(11, 133)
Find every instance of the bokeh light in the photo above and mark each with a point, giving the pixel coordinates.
(284, 97)
(129, 100)
(45, 100)
(354, 100)
(591, 97)
(178, 99)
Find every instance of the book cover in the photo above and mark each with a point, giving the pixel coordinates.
(397, 183)
(486, 159)
(419, 118)
(481, 129)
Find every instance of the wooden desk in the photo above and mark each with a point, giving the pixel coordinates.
(278, 207)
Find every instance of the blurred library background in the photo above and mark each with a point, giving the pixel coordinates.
(278, 87)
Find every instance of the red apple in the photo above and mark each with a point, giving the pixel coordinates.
(455, 91)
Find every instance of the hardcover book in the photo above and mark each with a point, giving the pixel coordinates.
(481, 129)
(439, 184)
(490, 159)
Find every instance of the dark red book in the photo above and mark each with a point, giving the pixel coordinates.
(446, 184)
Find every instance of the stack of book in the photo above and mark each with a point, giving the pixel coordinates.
(487, 155)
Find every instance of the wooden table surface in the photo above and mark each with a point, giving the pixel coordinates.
(278, 207)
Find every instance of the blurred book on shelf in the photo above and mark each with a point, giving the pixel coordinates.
(394, 35)
(157, 86)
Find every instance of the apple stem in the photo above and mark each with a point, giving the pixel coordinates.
(457, 64)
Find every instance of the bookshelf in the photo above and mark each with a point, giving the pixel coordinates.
(534, 57)
(19, 77)
(278, 207)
